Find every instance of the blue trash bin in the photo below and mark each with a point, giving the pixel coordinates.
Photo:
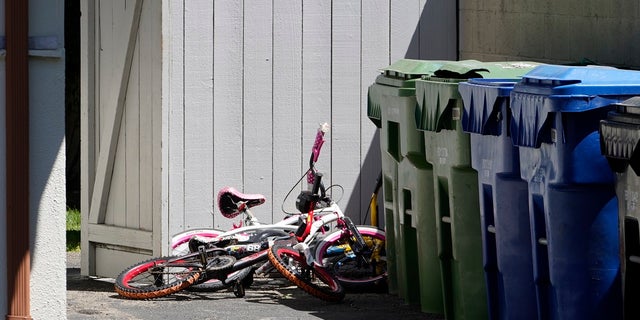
(504, 209)
(572, 206)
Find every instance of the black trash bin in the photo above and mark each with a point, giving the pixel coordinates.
(620, 136)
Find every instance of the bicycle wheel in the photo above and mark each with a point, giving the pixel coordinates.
(315, 281)
(158, 277)
(367, 270)
(180, 242)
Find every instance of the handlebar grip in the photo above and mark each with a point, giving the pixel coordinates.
(316, 183)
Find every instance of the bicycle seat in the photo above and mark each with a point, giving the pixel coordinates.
(231, 201)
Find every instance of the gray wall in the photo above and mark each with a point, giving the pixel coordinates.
(552, 31)
(248, 83)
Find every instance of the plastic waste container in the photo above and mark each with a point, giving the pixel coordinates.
(619, 138)
(411, 252)
(504, 208)
(455, 182)
(572, 208)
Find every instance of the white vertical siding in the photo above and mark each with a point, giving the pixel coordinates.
(316, 81)
(228, 104)
(287, 100)
(257, 125)
(345, 100)
(252, 80)
(174, 121)
(375, 54)
(198, 112)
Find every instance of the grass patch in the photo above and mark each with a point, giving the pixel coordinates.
(73, 230)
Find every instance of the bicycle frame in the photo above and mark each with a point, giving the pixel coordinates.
(251, 224)
(319, 218)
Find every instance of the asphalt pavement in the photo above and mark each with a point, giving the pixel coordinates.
(267, 298)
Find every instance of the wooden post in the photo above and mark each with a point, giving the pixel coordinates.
(17, 153)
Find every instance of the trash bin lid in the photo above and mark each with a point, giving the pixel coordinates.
(579, 81)
(404, 72)
(620, 134)
(555, 88)
(436, 91)
(410, 68)
(627, 111)
(483, 101)
(468, 69)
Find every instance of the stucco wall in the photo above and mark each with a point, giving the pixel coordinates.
(568, 31)
(47, 165)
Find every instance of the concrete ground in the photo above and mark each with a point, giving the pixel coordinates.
(268, 298)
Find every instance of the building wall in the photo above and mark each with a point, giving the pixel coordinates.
(47, 164)
(247, 83)
(570, 31)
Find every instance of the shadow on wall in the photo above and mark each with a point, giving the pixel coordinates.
(435, 38)
(436, 35)
(366, 183)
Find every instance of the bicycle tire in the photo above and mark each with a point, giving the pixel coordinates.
(292, 265)
(350, 272)
(142, 281)
(180, 241)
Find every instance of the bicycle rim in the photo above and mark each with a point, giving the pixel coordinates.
(351, 271)
(315, 281)
(157, 277)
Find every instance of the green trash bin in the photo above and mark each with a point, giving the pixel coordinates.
(411, 253)
(455, 182)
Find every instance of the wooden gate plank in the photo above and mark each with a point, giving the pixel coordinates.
(87, 124)
(106, 159)
(121, 236)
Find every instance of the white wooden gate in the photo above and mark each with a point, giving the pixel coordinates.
(121, 145)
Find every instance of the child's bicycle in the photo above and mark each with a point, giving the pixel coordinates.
(248, 231)
(230, 258)
(321, 264)
(226, 261)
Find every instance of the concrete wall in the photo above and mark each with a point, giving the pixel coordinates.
(47, 164)
(553, 31)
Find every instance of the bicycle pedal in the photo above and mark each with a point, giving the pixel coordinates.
(238, 289)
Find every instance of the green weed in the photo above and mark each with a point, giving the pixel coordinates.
(73, 230)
